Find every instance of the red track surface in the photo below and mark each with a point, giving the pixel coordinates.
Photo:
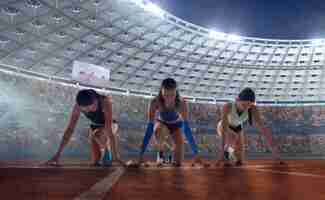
(257, 180)
(47, 183)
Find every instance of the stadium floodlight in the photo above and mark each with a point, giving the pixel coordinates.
(317, 41)
(216, 34)
(233, 37)
(150, 7)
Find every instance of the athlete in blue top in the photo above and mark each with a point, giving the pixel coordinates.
(172, 115)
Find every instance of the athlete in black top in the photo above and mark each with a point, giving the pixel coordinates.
(98, 109)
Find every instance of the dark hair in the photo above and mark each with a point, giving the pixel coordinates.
(247, 94)
(86, 97)
(169, 84)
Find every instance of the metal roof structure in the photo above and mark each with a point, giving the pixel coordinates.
(142, 44)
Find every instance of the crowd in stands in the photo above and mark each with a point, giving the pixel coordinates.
(33, 114)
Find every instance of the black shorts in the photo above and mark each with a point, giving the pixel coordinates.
(172, 127)
(236, 129)
(94, 127)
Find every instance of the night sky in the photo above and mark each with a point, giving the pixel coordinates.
(276, 19)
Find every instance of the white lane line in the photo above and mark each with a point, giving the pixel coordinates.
(99, 190)
(287, 173)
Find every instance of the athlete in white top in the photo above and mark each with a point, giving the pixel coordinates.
(230, 128)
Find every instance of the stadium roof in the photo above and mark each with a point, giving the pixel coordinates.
(142, 44)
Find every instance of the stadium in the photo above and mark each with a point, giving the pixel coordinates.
(140, 45)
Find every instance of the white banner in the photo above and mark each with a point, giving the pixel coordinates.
(90, 74)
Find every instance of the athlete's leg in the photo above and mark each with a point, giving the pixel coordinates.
(179, 145)
(95, 146)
